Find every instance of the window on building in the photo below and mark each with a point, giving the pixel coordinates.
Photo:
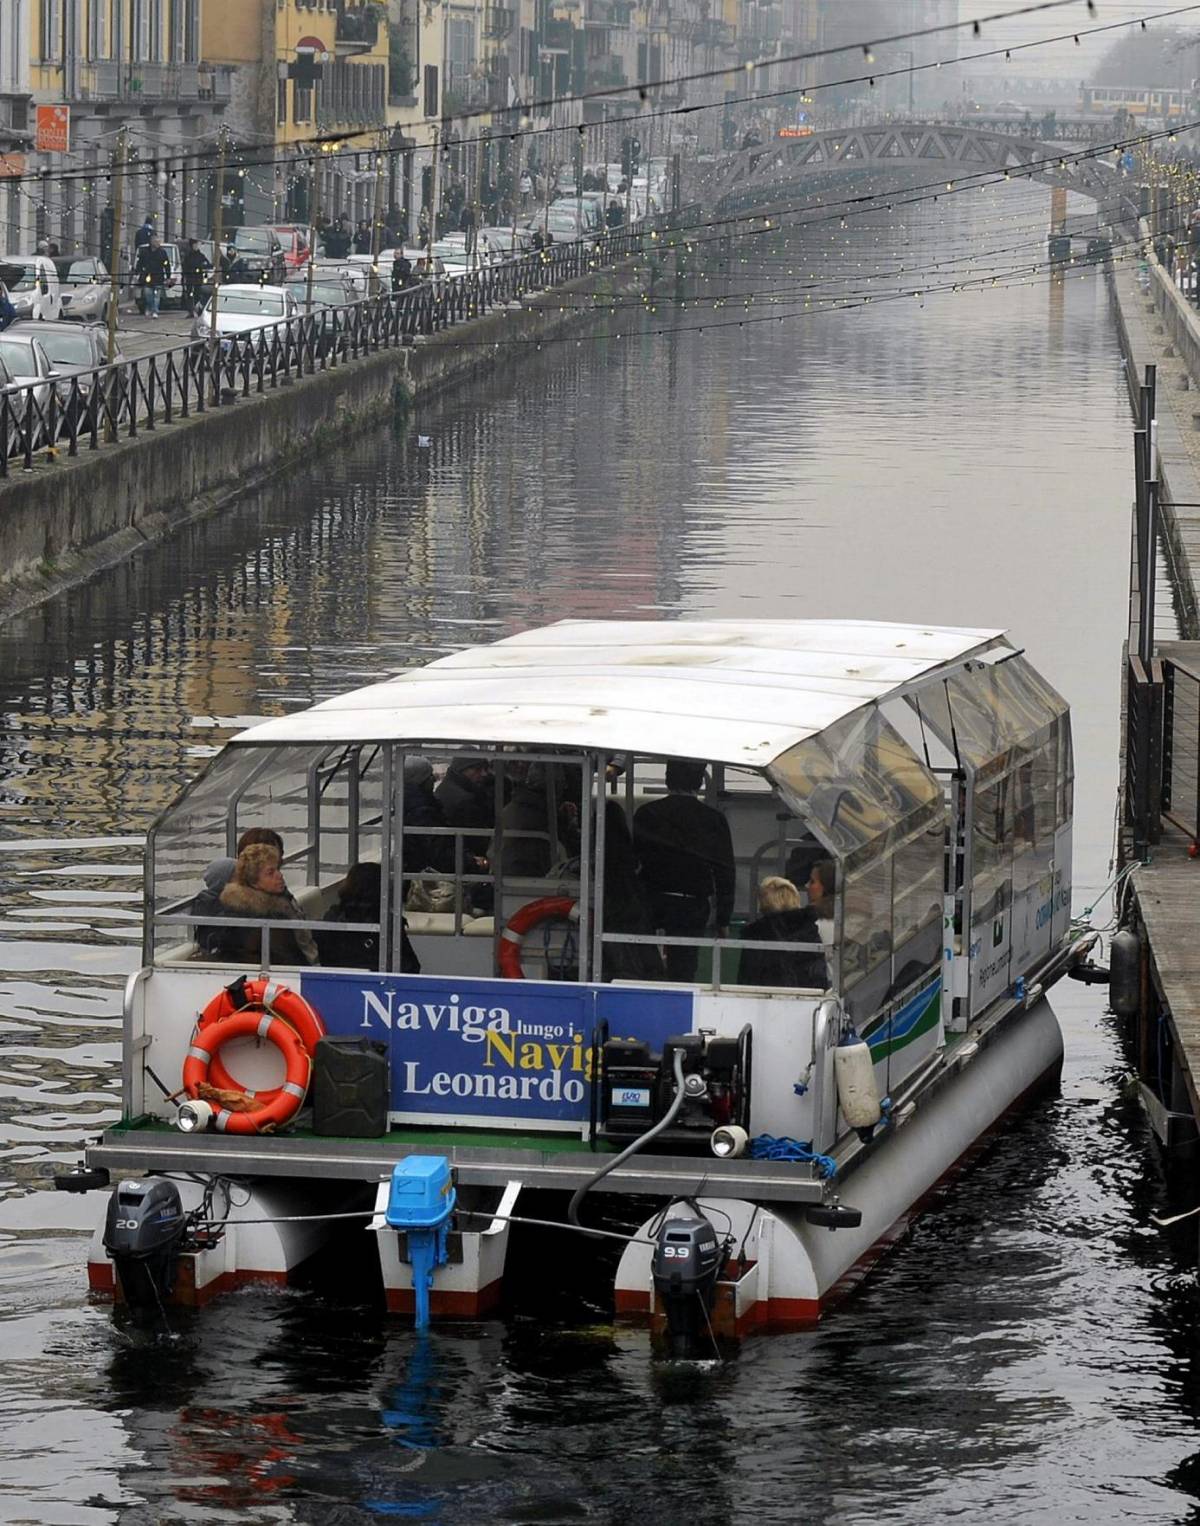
(97, 31)
(50, 41)
(302, 103)
(460, 51)
(281, 101)
(139, 49)
(191, 42)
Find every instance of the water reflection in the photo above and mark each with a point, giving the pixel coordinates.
(1031, 1351)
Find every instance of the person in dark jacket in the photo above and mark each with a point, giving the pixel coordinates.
(685, 857)
(8, 312)
(626, 905)
(256, 890)
(467, 796)
(193, 267)
(362, 237)
(784, 919)
(423, 809)
(150, 274)
(207, 903)
(358, 900)
(337, 240)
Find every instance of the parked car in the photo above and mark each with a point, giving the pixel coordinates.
(297, 245)
(27, 362)
(356, 268)
(246, 309)
(330, 288)
(33, 285)
(260, 255)
(85, 287)
(73, 350)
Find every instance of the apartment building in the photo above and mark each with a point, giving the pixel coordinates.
(132, 65)
(16, 204)
(305, 72)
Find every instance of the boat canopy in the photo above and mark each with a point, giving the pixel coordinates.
(738, 692)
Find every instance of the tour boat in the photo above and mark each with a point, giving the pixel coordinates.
(772, 1139)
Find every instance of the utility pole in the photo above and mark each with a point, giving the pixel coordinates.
(433, 199)
(118, 212)
(218, 235)
(314, 211)
(377, 219)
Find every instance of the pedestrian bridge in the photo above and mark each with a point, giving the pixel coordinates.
(930, 153)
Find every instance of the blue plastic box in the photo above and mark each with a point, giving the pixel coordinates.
(422, 1193)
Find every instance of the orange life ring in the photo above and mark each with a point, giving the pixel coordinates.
(285, 1103)
(550, 908)
(262, 996)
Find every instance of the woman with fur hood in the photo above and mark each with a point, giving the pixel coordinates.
(256, 889)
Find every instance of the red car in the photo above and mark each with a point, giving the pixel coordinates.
(294, 239)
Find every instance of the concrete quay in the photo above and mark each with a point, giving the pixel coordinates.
(69, 518)
(1161, 900)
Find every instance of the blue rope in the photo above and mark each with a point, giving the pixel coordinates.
(767, 1147)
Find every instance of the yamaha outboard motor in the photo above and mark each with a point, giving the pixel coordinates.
(686, 1261)
(142, 1232)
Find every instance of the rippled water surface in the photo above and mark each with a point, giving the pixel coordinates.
(1028, 1354)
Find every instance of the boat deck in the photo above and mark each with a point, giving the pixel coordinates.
(480, 1159)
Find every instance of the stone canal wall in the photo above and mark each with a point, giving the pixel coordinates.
(65, 521)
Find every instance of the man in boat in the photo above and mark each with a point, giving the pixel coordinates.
(685, 857)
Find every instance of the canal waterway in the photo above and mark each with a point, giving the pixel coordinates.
(1029, 1352)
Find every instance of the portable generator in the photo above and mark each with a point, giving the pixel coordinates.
(637, 1088)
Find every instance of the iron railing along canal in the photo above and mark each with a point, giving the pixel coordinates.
(116, 402)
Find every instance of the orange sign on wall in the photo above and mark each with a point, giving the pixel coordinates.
(52, 132)
(12, 166)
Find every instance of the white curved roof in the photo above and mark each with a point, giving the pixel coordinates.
(730, 691)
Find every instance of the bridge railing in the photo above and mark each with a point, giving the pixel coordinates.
(91, 409)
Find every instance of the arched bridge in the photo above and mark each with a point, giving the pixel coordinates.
(928, 152)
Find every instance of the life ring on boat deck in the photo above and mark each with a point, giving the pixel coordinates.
(551, 908)
(260, 995)
(285, 1102)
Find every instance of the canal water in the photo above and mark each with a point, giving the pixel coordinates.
(1028, 1353)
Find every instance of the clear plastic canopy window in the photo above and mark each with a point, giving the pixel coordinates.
(860, 786)
(993, 715)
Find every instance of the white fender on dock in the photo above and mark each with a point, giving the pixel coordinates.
(791, 1269)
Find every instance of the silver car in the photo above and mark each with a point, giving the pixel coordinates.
(86, 287)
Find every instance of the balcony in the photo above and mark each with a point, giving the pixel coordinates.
(357, 31)
(152, 83)
(609, 13)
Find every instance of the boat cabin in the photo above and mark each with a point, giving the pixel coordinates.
(913, 784)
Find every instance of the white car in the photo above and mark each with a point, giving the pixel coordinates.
(245, 310)
(26, 361)
(33, 285)
(358, 269)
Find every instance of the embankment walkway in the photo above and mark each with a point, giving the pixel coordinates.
(127, 454)
(1159, 327)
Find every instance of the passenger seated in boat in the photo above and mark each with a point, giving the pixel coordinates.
(821, 888)
(218, 874)
(784, 919)
(685, 856)
(467, 796)
(256, 889)
(358, 900)
(626, 905)
(423, 809)
(524, 844)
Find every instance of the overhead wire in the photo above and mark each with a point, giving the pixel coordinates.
(326, 143)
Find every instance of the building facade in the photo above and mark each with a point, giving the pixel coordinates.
(131, 67)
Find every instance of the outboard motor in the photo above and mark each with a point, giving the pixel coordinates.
(142, 1232)
(685, 1264)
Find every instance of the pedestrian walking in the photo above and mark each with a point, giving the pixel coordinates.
(150, 274)
(338, 240)
(8, 312)
(362, 237)
(193, 267)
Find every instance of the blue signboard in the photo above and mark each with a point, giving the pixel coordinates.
(517, 1050)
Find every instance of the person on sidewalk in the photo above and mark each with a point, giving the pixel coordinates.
(150, 274)
(194, 265)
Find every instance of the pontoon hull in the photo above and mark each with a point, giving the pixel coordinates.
(792, 1271)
